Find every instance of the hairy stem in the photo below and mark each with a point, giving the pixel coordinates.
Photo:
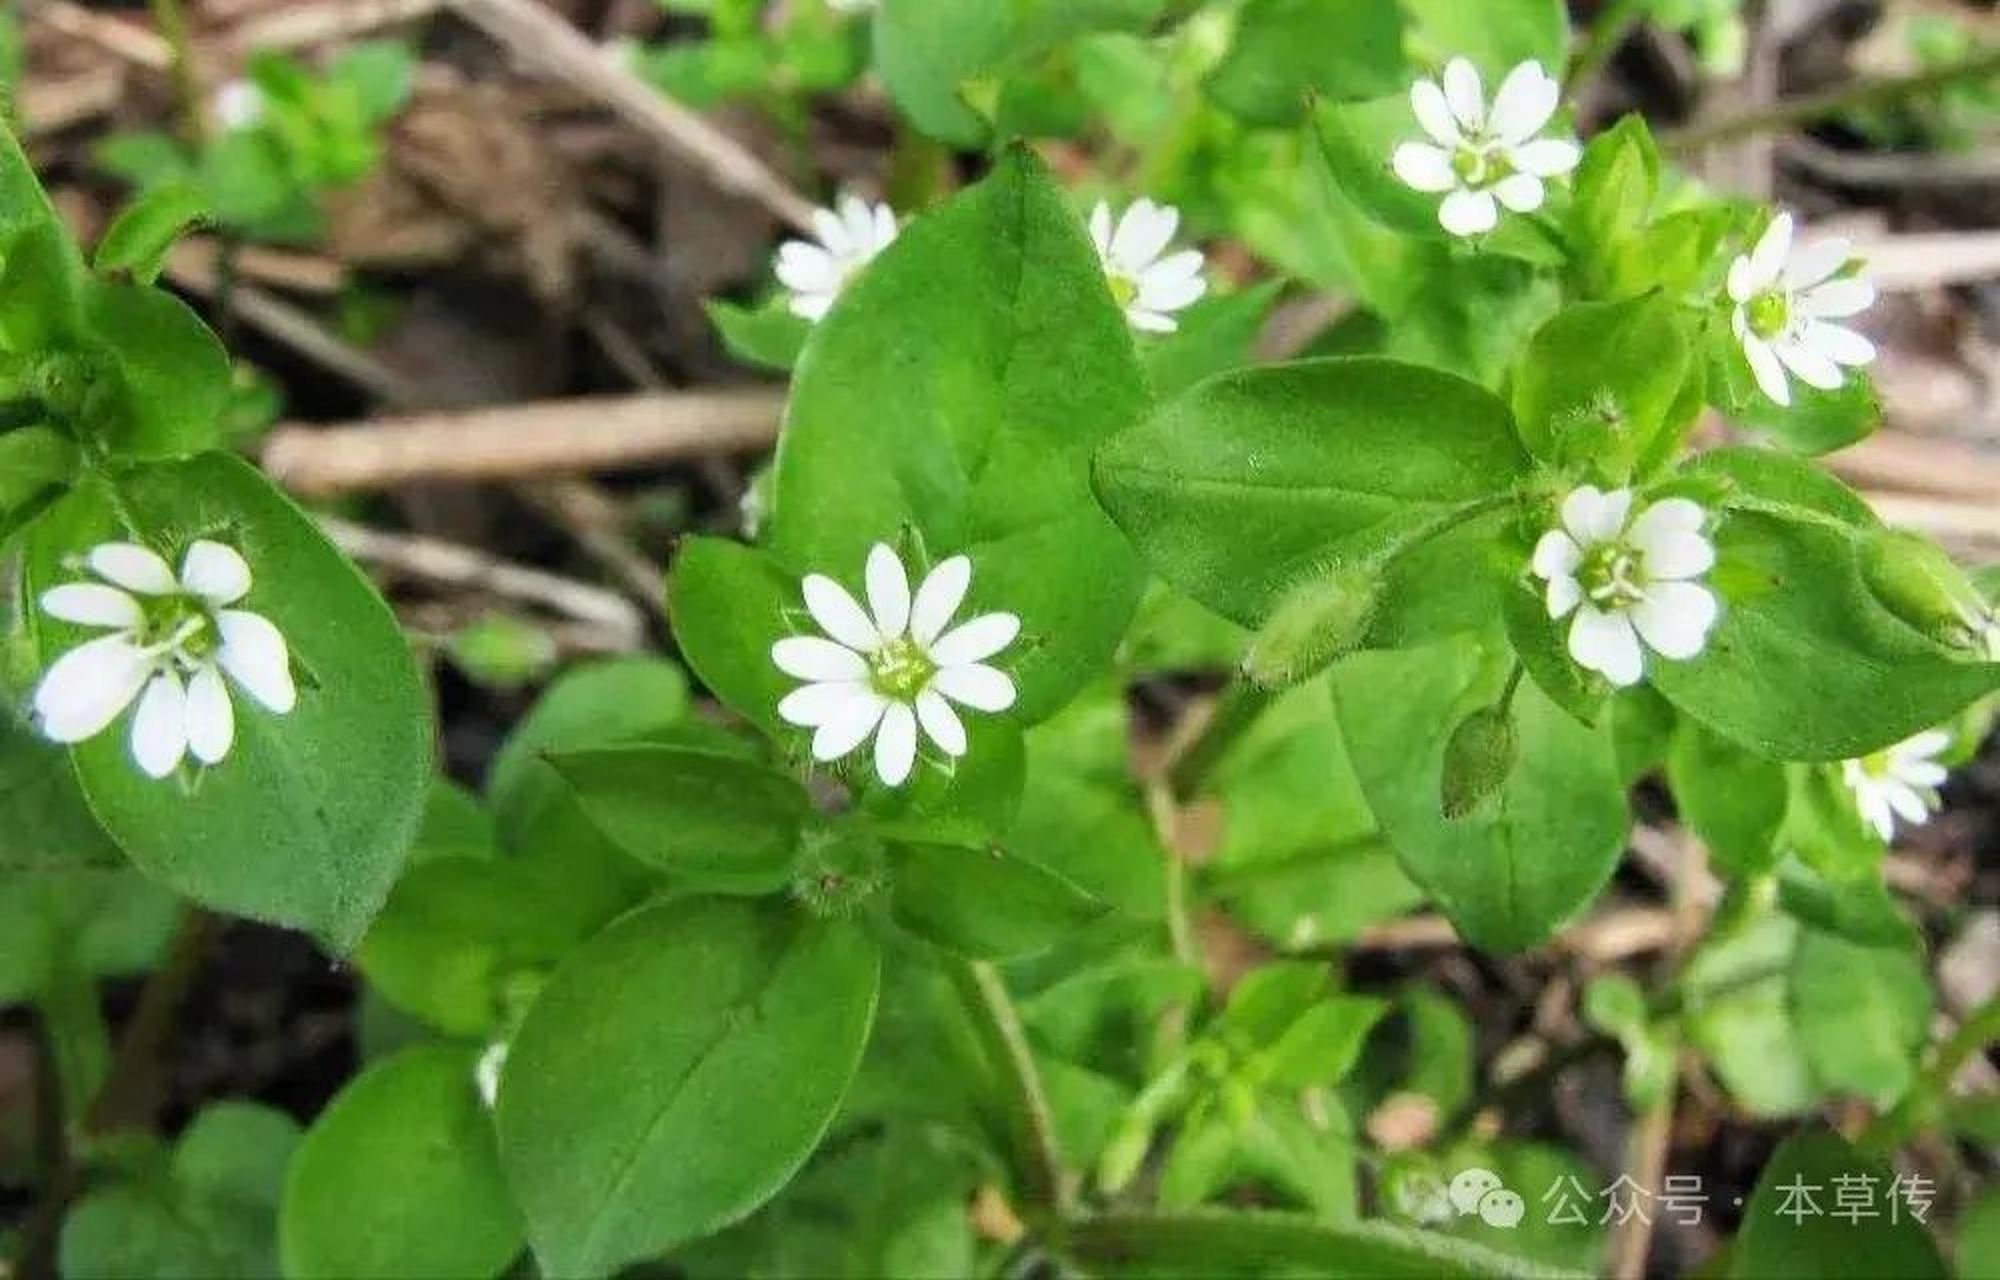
(1817, 106)
(1045, 1181)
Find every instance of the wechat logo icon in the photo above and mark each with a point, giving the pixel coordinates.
(1480, 1191)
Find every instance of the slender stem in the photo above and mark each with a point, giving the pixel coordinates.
(1918, 1106)
(172, 22)
(1606, 34)
(1816, 106)
(1046, 1182)
(1238, 709)
(123, 1098)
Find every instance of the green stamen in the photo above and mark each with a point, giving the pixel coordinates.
(900, 670)
(1123, 289)
(1769, 314)
(1609, 576)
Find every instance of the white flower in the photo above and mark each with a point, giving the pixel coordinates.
(890, 668)
(1899, 782)
(238, 105)
(1147, 286)
(1784, 300)
(1628, 579)
(486, 1072)
(171, 641)
(1482, 156)
(851, 6)
(849, 236)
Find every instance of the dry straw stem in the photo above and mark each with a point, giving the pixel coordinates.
(537, 36)
(524, 441)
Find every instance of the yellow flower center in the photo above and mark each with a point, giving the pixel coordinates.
(900, 670)
(1769, 313)
(1478, 166)
(1609, 576)
(1123, 288)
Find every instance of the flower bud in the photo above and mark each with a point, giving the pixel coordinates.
(1477, 760)
(839, 870)
(1316, 622)
(1915, 580)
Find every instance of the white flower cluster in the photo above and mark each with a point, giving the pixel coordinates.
(1481, 159)
(890, 668)
(1628, 578)
(171, 640)
(846, 239)
(1147, 286)
(1786, 300)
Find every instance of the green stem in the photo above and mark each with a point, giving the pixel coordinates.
(1817, 106)
(1606, 34)
(1045, 1182)
(172, 22)
(1239, 707)
(1920, 1105)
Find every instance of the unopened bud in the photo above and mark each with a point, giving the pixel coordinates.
(838, 871)
(1915, 580)
(1477, 760)
(1316, 622)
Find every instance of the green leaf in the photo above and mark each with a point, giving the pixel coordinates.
(1287, 49)
(1356, 140)
(58, 925)
(1734, 800)
(958, 390)
(1777, 483)
(1806, 664)
(41, 286)
(712, 821)
(1817, 421)
(1542, 645)
(1795, 1233)
(1216, 1242)
(1510, 873)
(730, 604)
(927, 50)
(49, 823)
(1598, 383)
(399, 1176)
(1495, 34)
(1737, 1013)
(307, 822)
(173, 373)
(35, 463)
(1256, 480)
(986, 905)
(144, 232)
(1216, 334)
(770, 336)
(1862, 1013)
(1615, 184)
(1082, 816)
(675, 1073)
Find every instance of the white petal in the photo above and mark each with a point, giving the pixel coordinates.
(888, 586)
(811, 705)
(1185, 265)
(1165, 294)
(1767, 259)
(886, 228)
(1546, 157)
(1816, 262)
(134, 568)
(1742, 284)
(1838, 343)
(976, 640)
(215, 573)
(1469, 213)
(1668, 536)
(977, 686)
(896, 744)
(1605, 643)
(1675, 617)
(831, 229)
(211, 721)
(1874, 809)
(807, 268)
(1556, 555)
(848, 729)
(859, 220)
(1466, 95)
(812, 306)
(88, 687)
(1921, 747)
(92, 604)
(1910, 805)
(1521, 192)
(1424, 167)
(1565, 593)
(1143, 234)
(1526, 100)
(1592, 516)
(838, 614)
(941, 723)
(1837, 299)
(253, 653)
(1150, 321)
(1812, 367)
(1921, 773)
(1433, 113)
(159, 730)
(1765, 368)
(814, 658)
(938, 597)
(1100, 229)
